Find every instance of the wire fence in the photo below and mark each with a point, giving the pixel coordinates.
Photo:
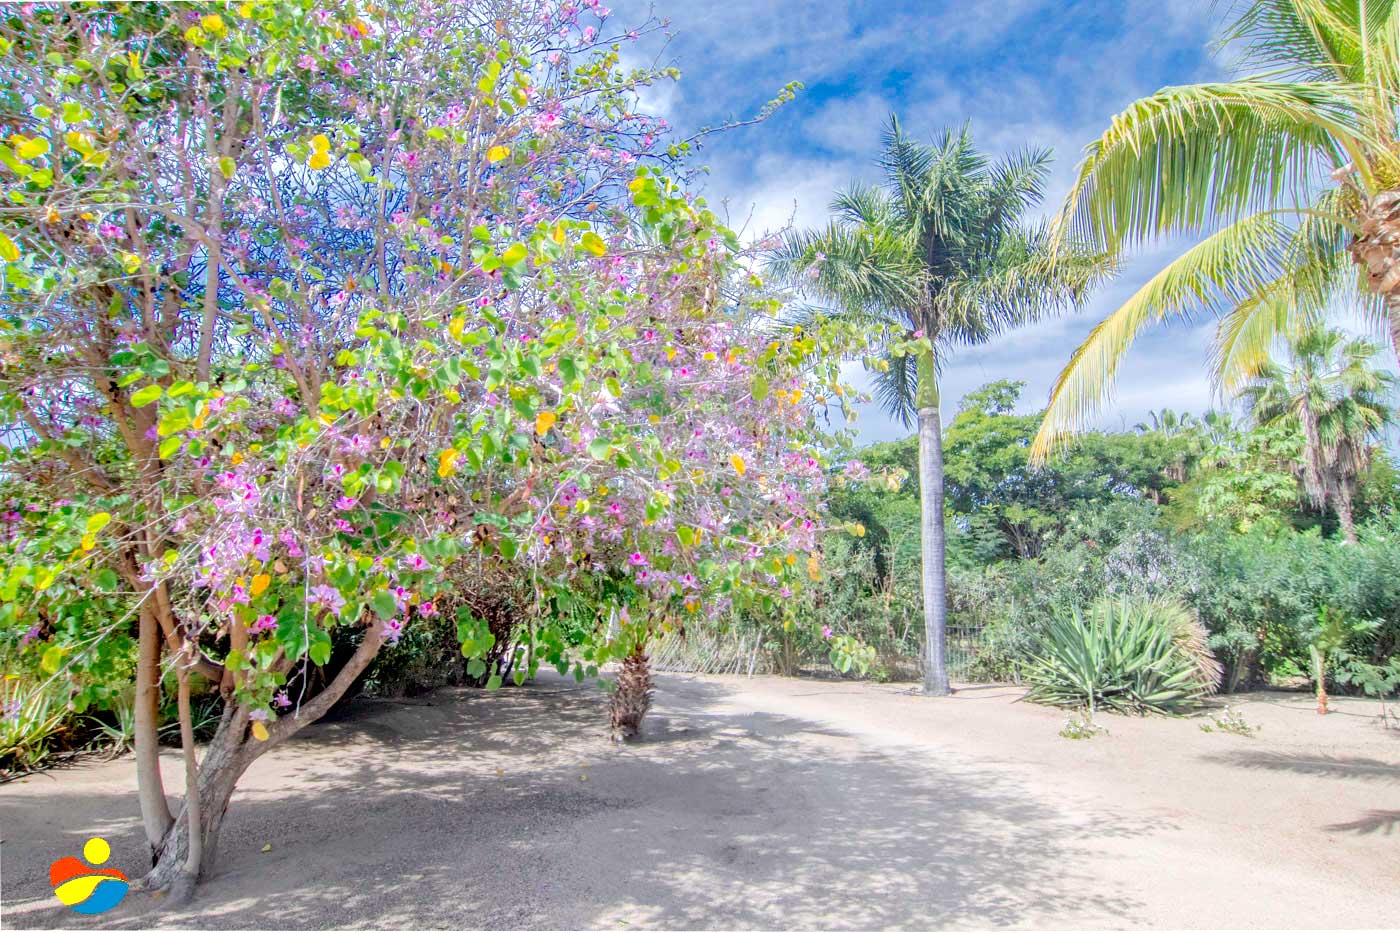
(749, 654)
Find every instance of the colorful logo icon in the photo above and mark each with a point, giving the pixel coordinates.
(88, 890)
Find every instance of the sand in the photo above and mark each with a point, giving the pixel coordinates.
(763, 803)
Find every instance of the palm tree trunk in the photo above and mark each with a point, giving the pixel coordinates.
(1345, 514)
(1377, 248)
(935, 584)
(632, 698)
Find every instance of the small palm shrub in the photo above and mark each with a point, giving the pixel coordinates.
(1124, 655)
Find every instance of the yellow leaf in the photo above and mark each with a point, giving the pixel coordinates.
(89, 542)
(319, 160)
(260, 583)
(237, 458)
(8, 250)
(814, 568)
(384, 444)
(320, 143)
(496, 154)
(559, 234)
(447, 462)
(594, 244)
(259, 731)
(456, 326)
(32, 148)
(544, 421)
(737, 462)
(213, 23)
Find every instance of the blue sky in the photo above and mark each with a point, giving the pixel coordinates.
(1048, 73)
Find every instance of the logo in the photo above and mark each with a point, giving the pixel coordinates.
(88, 890)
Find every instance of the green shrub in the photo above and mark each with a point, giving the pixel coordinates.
(1123, 655)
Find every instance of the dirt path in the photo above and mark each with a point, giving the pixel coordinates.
(764, 803)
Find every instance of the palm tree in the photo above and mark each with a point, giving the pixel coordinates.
(1329, 390)
(1290, 176)
(1165, 422)
(936, 257)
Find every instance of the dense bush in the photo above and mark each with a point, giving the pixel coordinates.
(1027, 545)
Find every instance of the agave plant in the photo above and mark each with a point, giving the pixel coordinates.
(120, 735)
(29, 722)
(1126, 656)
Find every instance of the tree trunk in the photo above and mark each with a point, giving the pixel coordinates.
(192, 803)
(225, 760)
(935, 584)
(632, 698)
(1377, 249)
(1345, 515)
(229, 754)
(155, 811)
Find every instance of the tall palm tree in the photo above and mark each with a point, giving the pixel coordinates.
(1331, 391)
(937, 256)
(1288, 177)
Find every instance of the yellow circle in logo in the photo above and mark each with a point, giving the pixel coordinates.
(96, 850)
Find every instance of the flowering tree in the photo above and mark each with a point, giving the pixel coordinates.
(319, 320)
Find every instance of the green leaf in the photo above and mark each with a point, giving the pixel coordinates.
(320, 650)
(227, 167)
(384, 604)
(759, 387)
(143, 397)
(515, 255)
(170, 446)
(52, 659)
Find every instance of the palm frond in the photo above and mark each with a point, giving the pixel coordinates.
(897, 387)
(1189, 158)
(1223, 269)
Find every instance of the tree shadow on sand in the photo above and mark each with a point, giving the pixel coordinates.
(1351, 767)
(512, 810)
(1379, 822)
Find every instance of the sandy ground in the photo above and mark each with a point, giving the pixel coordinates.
(763, 803)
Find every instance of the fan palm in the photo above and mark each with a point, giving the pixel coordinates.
(938, 256)
(1290, 177)
(1329, 390)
